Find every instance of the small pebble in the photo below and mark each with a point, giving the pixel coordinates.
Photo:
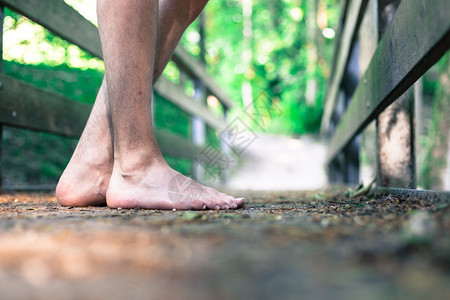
(422, 225)
(119, 208)
(324, 223)
(174, 209)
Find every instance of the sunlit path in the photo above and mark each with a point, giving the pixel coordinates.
(281, 163)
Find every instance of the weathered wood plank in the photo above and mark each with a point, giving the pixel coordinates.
(61, 19)
(418, 36)
(197, 70)
(349, 34)
(26, 106)
(337, 42)
(175, 145)
(176, 95)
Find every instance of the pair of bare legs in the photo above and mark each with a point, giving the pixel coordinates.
(117, 160)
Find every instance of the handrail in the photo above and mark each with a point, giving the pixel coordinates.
(176, 95)
(196, 69)
(351, 27)
(23, 105)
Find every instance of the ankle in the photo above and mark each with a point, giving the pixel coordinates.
(136, 164)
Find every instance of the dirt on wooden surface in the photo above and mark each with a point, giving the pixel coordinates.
(282, 245)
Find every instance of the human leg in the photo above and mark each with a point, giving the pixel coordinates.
(140, 177)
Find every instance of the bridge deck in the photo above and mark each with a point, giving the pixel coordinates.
(282, 244)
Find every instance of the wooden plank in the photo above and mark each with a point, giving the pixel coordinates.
(175, 94)
(350, 32)
(31, 188)
(337, 42)
(26, 106)
(197, 70)
(418, 36)
(62, 20)
(172, 144)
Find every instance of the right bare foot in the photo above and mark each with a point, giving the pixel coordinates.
(158, 186)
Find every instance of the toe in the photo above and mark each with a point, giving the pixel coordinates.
(240, 202)
(233, 205)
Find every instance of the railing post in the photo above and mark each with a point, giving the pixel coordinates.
(418, 113)
(346, 168)
(225, 149)
(198, 125)
(349, 84)
(395, 134)
(198, 129)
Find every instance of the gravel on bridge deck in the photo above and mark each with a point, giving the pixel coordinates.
(282, 245)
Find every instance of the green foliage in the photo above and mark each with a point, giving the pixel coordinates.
(289, 56)
(436, 141)
(29, 43)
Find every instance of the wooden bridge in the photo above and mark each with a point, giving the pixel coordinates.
(283, 245)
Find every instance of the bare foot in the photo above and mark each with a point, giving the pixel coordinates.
(158, 186)
(86, 178)
(83, 184)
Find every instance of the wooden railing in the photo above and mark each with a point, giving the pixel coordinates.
(410, 37)
(23, 105)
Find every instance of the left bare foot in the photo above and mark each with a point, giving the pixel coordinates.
(83, 184)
